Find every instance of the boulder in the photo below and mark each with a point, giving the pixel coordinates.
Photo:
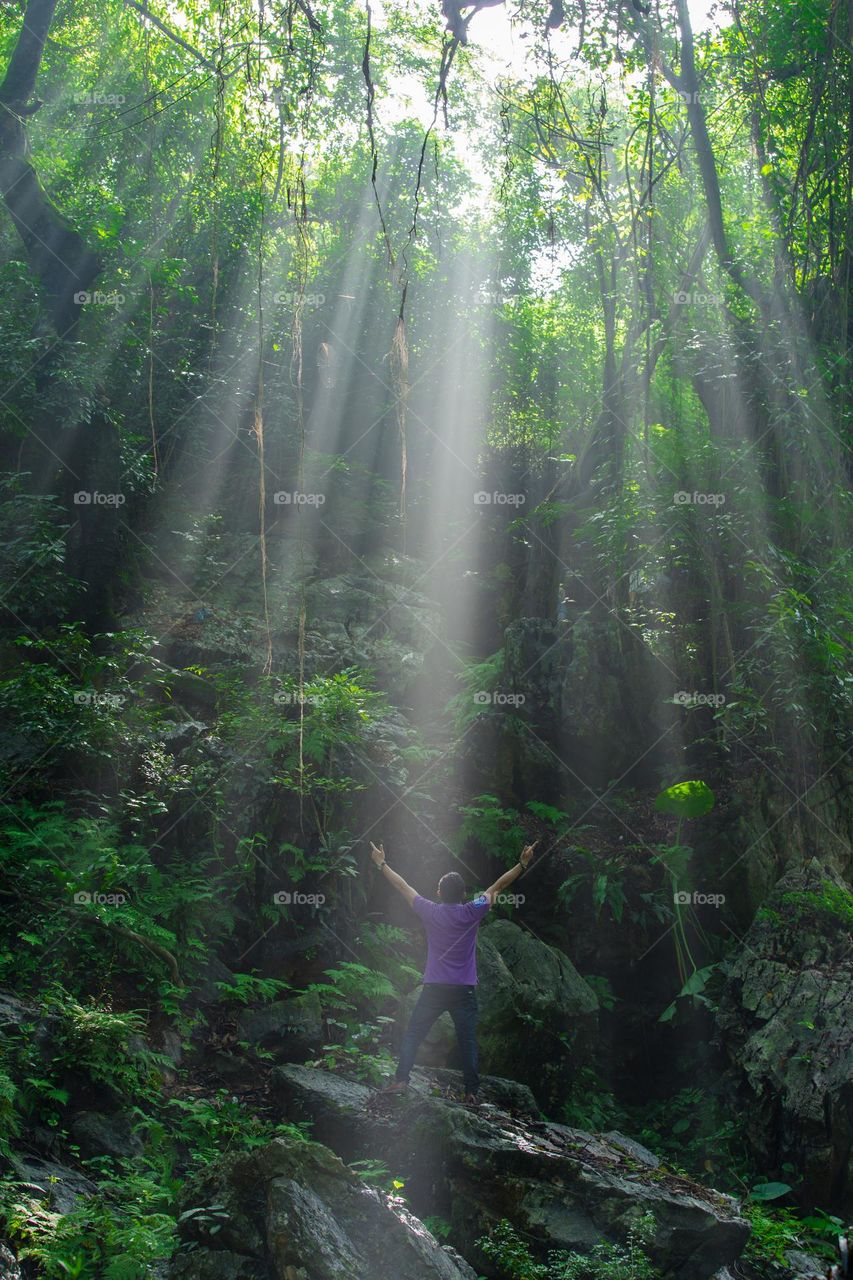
(291, 1030)
(99, 1134)
(561, 1187)
(293, 1211)
(596, 688)
(207, 987)
(785, 1020)
(529, 994)
(52, 1184)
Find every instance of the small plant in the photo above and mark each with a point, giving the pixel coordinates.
(248, 988)
(774, 1231)
(439, 1227)
(504, 1247)
(605, 1261)
(588, 1105)
(603, 877)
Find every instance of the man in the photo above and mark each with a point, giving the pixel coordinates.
(450, 977)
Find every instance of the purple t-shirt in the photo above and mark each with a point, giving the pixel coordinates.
(451, 930)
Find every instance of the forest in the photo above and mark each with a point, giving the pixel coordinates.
(425, 442)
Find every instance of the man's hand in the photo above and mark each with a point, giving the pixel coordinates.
(377, 853)
(504, 881)
(527, 853)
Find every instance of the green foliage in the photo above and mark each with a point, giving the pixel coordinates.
(248, 988)
(686, 799)
(9, 1122)
(86, 902)
(98, 1040)
(505, 1248)
(352, 985)
(763, 1191)
(205, 1128)
(694, 1130)
(772, 1233)
(495, 829)
(478, 678)
(439, 1227)
(354, 994)
(121, 1233)
(32, 553)
(588, 1105)
(602, 878)
(833, 905)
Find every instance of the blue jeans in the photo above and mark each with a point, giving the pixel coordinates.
(461, 1003)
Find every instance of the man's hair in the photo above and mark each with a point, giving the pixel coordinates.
(451, 888)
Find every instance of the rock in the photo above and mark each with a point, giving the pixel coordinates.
(99, 1134)
(169, 1044)
(785, 1020)
(509, 1095)
(293, 1211)
(9, 1266)
(804, 1266)
(177, 735)
(291, 1029)
(333, 1102)
(595, 687)
(59, 1187)
(231, 1069)
(633, 1149)
(22, 1018)
(206, 989)
(561, 1187)
(528, 993)
(222, 1265)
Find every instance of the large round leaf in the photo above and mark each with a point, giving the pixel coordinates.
(686, 799)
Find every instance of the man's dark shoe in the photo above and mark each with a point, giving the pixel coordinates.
(395, 1086)
(394, 1089)
(472, 1099)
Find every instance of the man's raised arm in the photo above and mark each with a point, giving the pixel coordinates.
(514, 872)
(378, 856)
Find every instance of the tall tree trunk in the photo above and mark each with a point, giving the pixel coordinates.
(76, 456)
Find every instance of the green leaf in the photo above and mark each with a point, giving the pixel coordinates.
(769, 1190)
(686, 799)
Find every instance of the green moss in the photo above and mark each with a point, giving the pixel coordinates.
(832, 900)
